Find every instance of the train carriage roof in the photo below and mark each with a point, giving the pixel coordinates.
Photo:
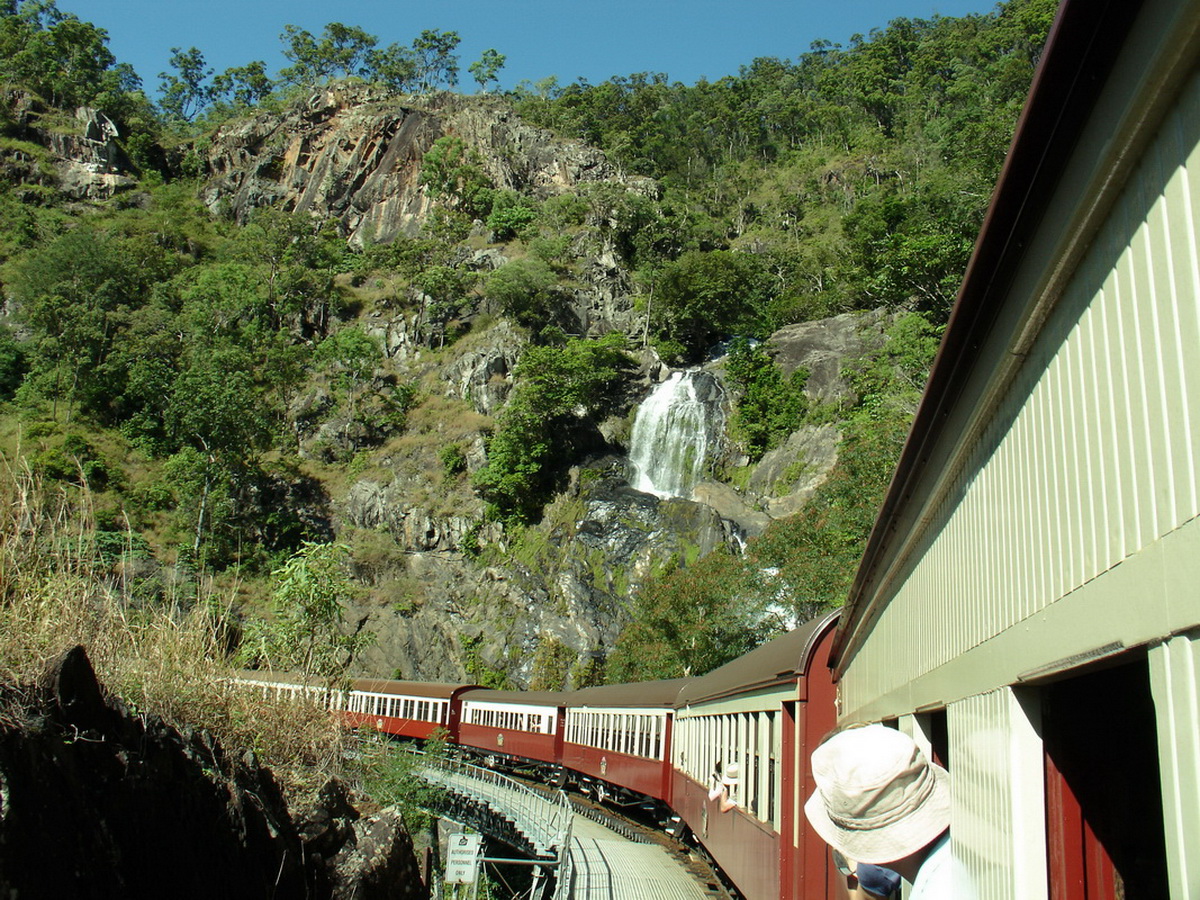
(642, 695)
(516, 698)
(785, 659)
(435, 691)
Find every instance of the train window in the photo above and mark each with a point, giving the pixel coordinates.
(772, 782)
(750, 772)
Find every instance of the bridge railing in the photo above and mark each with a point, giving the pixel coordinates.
(544, 819)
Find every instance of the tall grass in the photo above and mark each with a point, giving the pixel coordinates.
(165, 658)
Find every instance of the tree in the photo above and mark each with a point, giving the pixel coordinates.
(187, 93)
(341, 49)
(485, 69)
(307, 633)
(703, 295)
(692, 620)
(454, 173)
(556, 389)
(74, 292)
(354, 355)
(436, 61)
(446, 289)
(394, 66)
(243, 86)
(524, 290)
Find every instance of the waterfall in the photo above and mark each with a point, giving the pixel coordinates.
(673, 431)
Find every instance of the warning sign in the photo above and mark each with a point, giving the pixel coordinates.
(462, 862)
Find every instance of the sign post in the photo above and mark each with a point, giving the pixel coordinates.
(462, 860)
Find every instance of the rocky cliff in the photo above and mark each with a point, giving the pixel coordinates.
(449, 593)
(354, 154)
(99, 802)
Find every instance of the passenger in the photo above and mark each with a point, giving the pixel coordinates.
(879, 800)
(866, 881)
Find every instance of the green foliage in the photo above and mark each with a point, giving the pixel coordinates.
(340, 50)
(307, 633)
(436, 61)
(552, 662)
(857, 174)
(454, 461)
(556, 389)
(478, 670)
(486, 69)
(525, 290)
(816, 552)
(691, 620)
(510, 215)
(75, 293)
(768, 407)
(13, 364)
(447, 290)
(185, 93)
(453, 173)
(705, 295)
(388, 773)
(61, 57)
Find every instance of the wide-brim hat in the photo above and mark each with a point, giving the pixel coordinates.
(878, 799)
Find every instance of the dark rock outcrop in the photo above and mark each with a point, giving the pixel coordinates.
(97, 802)
(81, 158)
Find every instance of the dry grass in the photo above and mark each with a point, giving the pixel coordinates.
(57, 590)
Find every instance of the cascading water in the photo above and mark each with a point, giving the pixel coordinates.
(674, 429)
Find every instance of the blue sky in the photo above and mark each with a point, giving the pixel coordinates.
(687, 39)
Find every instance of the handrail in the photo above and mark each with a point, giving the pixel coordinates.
(545, 820)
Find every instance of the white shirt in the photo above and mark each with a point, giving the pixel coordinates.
(935, 877)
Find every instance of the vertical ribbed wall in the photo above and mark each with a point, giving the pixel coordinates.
(997, 820)
(1175, 681)
(1095, 454)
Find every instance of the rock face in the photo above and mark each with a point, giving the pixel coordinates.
(83, 161)
(823, 345)
(353, 153)
(98, 802)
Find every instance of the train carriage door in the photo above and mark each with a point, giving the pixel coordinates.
(1104, 813)
(792, 795)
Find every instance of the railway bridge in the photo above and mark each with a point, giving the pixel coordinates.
(574, 857)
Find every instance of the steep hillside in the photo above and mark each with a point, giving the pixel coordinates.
(416, 332)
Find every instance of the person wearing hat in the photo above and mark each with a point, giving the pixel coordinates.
(879, 800)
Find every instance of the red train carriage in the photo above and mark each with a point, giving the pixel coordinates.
(409, 709)
(523, 724)
(620, 734)
(741, 739)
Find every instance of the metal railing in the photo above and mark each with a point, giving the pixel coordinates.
(543, 819)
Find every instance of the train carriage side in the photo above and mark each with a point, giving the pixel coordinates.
(620, 734)
(741, 739)
(1027, 605)
(523, 724)
(409, 709)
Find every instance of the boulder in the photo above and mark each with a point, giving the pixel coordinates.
(99, 802)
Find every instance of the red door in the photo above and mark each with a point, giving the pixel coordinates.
(1104, 818)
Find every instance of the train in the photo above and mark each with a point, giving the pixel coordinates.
(1027, 606)
(720, 759)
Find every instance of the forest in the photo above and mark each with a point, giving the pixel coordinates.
(159, 360)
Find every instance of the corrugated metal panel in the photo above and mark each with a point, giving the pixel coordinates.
(1175, 681)
(1093, 458)
(997, 827)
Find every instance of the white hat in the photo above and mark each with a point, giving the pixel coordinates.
(878, 799)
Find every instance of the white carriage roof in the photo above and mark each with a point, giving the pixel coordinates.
(517, 698)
